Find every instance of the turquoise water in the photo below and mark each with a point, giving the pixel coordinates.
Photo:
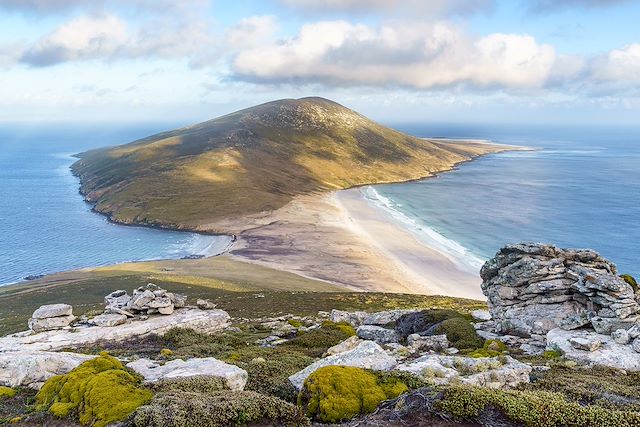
(580, 188)
(46, 227)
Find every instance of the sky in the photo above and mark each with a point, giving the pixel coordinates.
(459, 61)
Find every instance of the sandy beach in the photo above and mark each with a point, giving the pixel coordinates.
(341, 238)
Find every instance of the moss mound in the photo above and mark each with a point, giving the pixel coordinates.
(315, 342)
(7, 392)
(491, 348)
(336, 393)
(198, 384)
(631, 281)
(531, 409)
(460, 333)
(217, 409)
(99, 391)
(270, 375)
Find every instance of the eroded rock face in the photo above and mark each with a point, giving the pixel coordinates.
(533, 288)
(367, 355)
(32, 368)
(234, 377)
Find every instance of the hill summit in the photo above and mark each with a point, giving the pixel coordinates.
(255, 160)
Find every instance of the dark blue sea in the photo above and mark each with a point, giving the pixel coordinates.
(580, 188)
(46, 227)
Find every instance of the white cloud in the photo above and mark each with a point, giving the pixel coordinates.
(424, 57)
(618, 65)
(425, 8)
(252, 31)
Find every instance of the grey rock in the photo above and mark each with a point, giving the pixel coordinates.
(53, 310)
(377, 333)
(586, 343)
(178, 300)
(428, 343)
(481, 315)
(382, 318)
(346, 345)
(50, 323)
(234, 377)
(31, 369)
(354, 318)
(109, 320)
(205, 304)
(117, 300)
(367, 355)
(166, 310)
(636, 345)
(621, 336)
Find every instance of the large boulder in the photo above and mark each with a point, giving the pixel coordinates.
(354, 318)
(52, 310)
(50, 317)
(32, 368)
(377, 333)
(609, 353)
(533, 288)
(234, 377)
(367, 355)
(208, 321)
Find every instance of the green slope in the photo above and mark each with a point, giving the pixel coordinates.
(255, 160)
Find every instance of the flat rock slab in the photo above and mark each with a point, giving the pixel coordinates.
(610, 353)
(367, 355)
(52, 310)
(33, 368)
(234, 377)
(200, 320)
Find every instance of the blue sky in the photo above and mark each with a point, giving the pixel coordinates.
(523, 61)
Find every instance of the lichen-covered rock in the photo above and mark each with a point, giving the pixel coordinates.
(586, 343)
(377, 333)
(108, 319)
(346, 345)
(354, 318)
(32, 368)
(491, 372)
(117, 299)
(428, 343)
(481, 315)
(533, 288)
(234, 377)
(50, 323)
(367, 355)
(610, 353)
(621, 336)
(382, 318)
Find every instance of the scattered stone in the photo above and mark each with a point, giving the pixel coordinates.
(117, 300)
(382, 318)
(108, 320)
(621, 336)
(205, 304)
(586, 343)
(377, 333)
(32, 368)
(428, 343)
(481, 315)
(234, 377)
(346, 345)
(367, 355)
(53, 310)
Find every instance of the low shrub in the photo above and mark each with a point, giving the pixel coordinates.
(343, 327)
(217, 409)
(552, 354)
(99, 391)
(423, 321)
(531, 409)
(197, 384)
(631, 281)
(315, 342)
(186, 342)
(491, 348)
(294, 323)
(7, 392)
(270, 375)
(460, 333)
(336, 393)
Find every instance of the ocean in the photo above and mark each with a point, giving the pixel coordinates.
(46, 227)
(580, 188)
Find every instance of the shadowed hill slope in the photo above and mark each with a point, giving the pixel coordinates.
(255, 160)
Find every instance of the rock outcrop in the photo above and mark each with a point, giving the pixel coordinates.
(206, 321)
(148, 299)
(235, 378)
(533, 288)
(50, 317)
(32, 368)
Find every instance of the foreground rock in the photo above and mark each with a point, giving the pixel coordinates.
(206, 321)
(235, 378)
(533, 288)
(51, 317)
(492, 372)
(32, 368)
(608, 353)
(367, 355)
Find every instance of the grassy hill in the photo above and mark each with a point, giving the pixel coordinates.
(255, 160)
